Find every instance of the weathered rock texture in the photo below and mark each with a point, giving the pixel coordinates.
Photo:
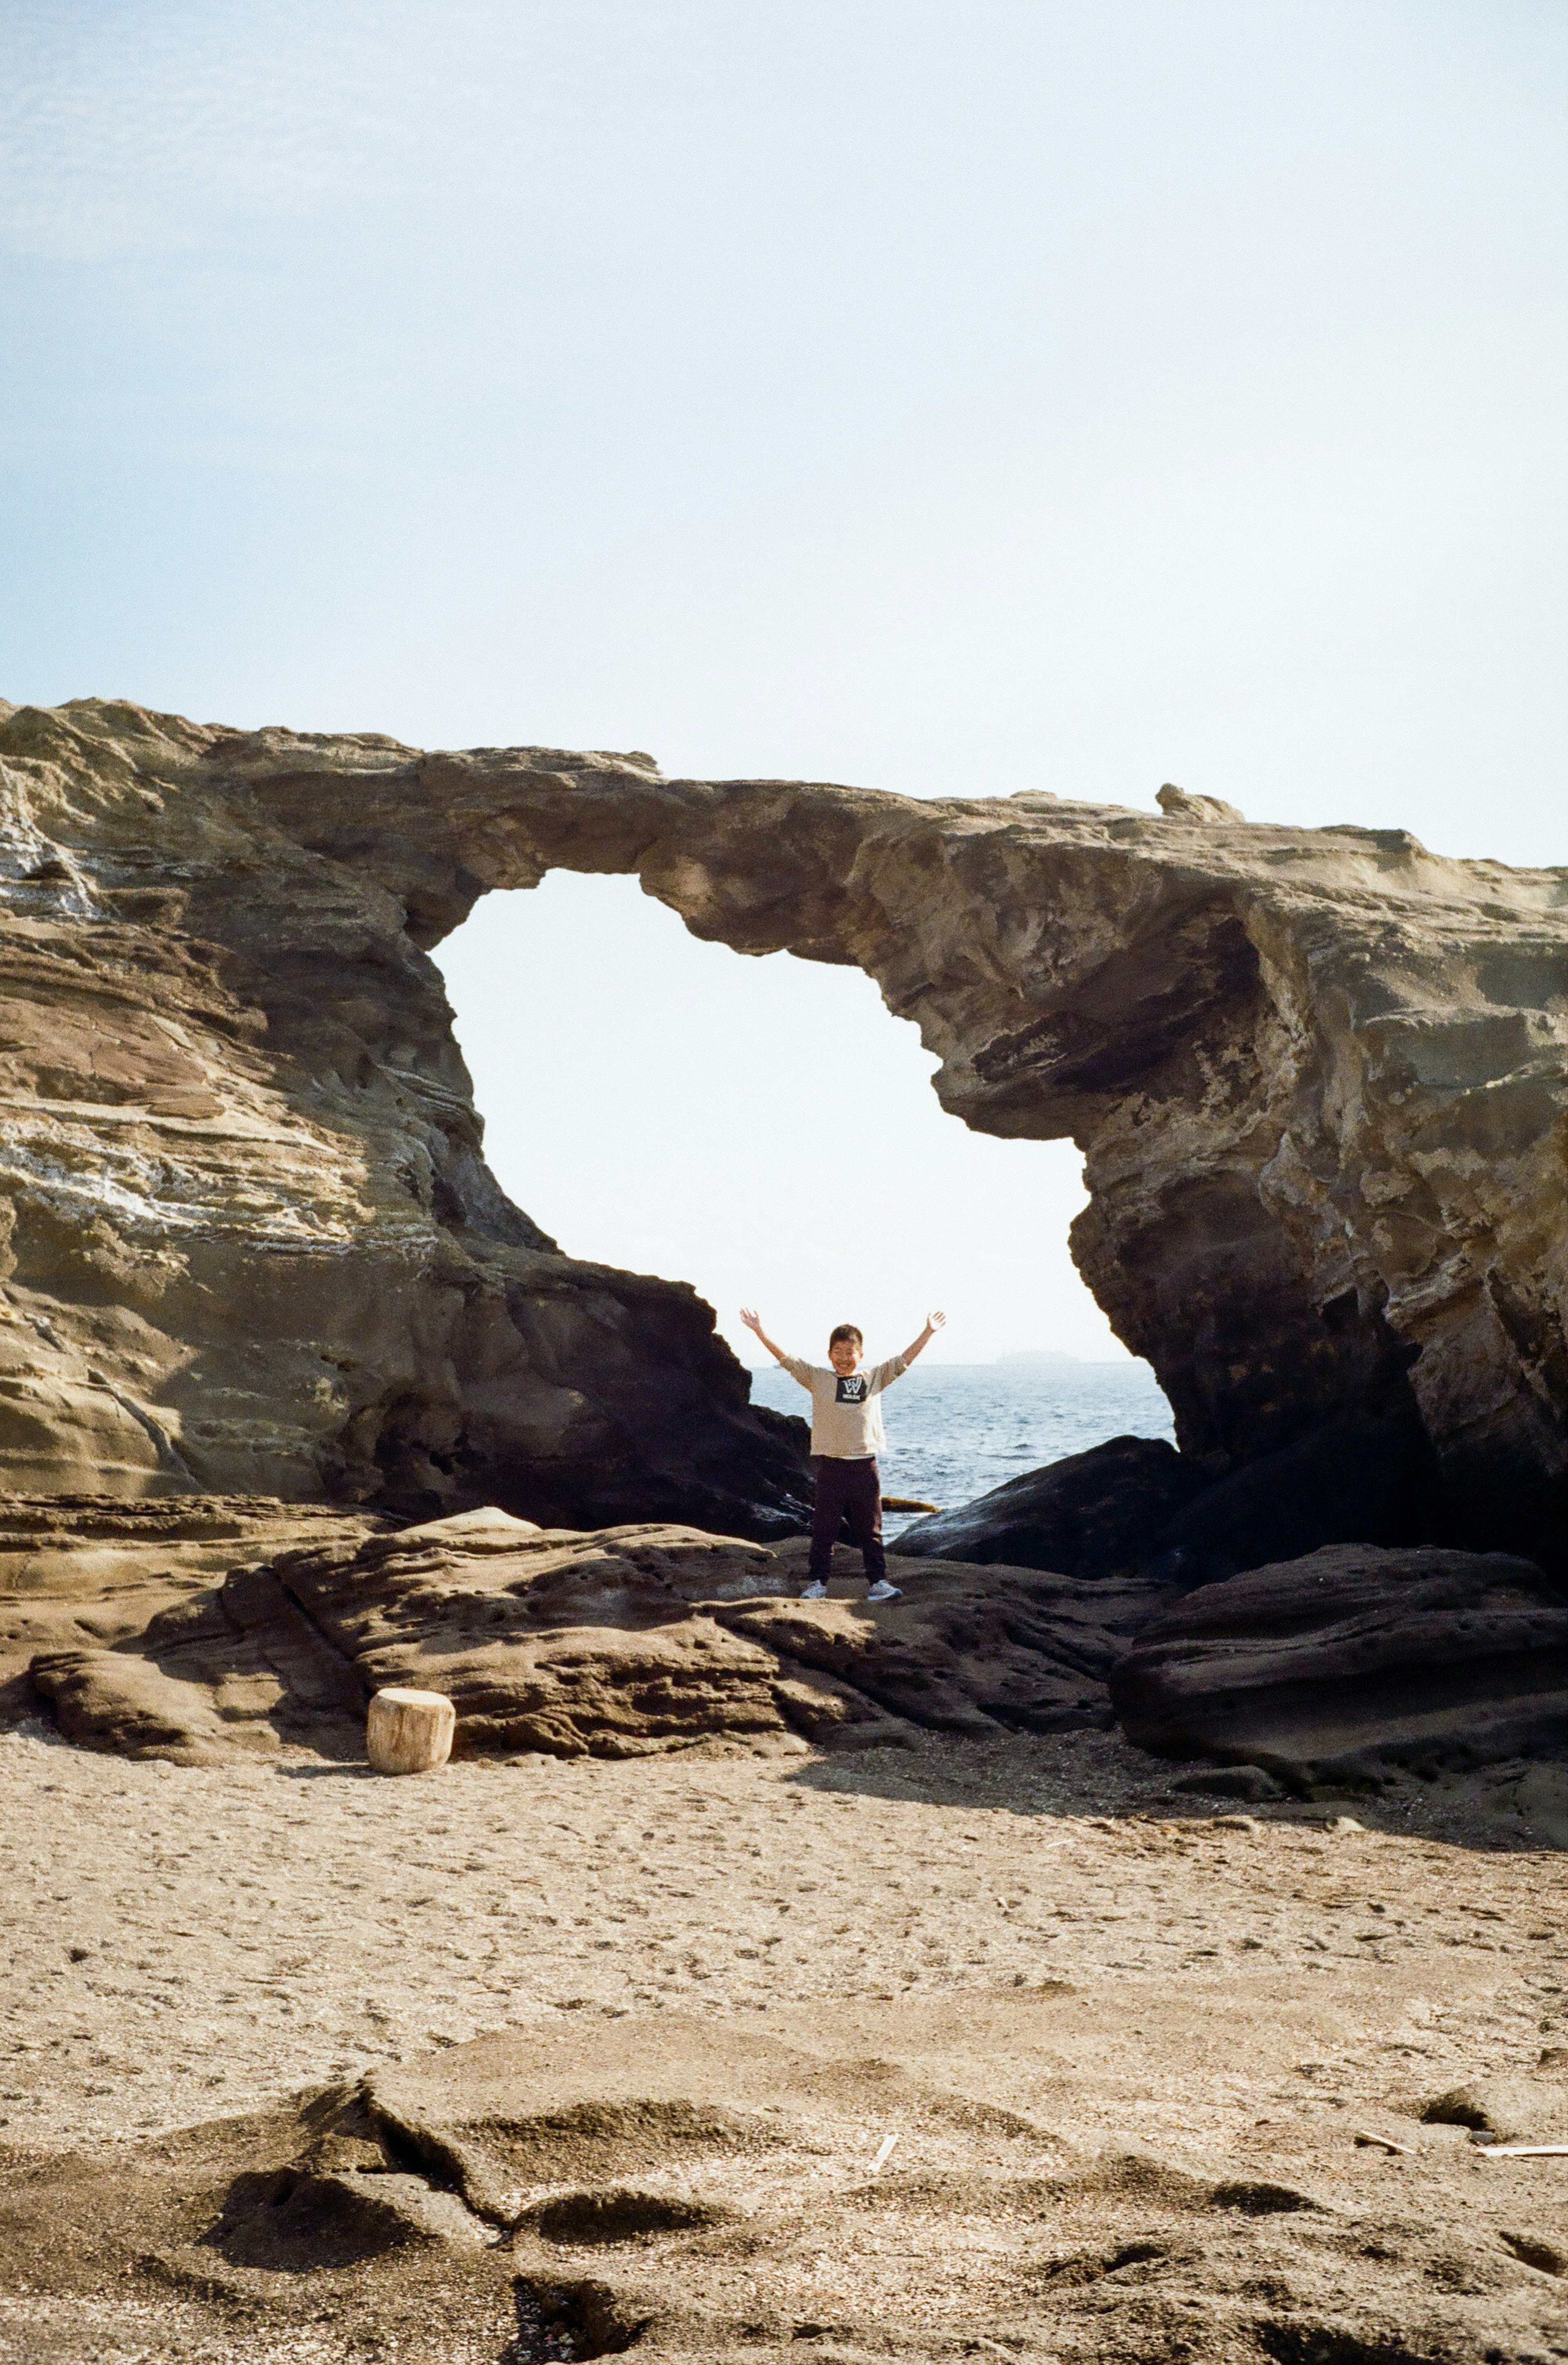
(123, 1598)
(1354, 1658)
(248, 1238)
(1318, 1077)
(626, 1642)
(204, 1631)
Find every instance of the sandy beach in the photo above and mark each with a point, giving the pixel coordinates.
(186, 1942)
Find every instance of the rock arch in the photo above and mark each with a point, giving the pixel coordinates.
(1318, 1077)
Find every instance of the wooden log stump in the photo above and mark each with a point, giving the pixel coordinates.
(408, 1732)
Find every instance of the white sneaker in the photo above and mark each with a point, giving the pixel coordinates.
(815, 1591)
(883, 1591)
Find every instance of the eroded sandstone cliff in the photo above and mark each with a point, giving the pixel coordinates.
(1320, 1079)
(248, 1237)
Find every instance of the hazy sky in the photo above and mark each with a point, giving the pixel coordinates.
(947, 397)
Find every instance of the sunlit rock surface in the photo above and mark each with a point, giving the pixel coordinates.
(1318, 1077)
(248, 1239)
(151, 1639)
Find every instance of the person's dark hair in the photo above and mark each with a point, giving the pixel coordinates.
(845, 1330)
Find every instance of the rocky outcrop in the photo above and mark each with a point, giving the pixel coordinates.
(248, 1239)
(625, 1642)
(1354, 1659)
(1135, 1505)
(95, 1584)
(1318, 1075)
(239, 1629)
(1092, 1515)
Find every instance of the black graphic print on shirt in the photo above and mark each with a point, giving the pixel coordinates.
(851, 1390)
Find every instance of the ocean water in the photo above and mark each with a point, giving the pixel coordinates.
(955, 1431)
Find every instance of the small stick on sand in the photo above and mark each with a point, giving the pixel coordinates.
(1385, 2143)
(886, 2152)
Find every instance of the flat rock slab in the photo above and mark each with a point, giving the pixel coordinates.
(967, 1650)
(618, 1643)
(1353, 1657)
(545, 1638)
(121, 1607)
(653, 1637)
(148, 1632)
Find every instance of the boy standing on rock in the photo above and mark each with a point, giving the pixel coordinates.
(846, 1436)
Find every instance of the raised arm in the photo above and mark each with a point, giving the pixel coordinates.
(934, 1323)
(749, 1316)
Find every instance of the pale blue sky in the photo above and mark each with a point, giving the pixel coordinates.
(941, 397)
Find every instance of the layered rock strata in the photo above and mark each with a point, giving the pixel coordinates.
(623, 1642)
(1318, 1077)
(248, 1239)
(208, 1630)
(82, 1575)
(1353, 1659)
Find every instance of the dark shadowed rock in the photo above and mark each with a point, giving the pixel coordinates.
(1091, 1515)
(1365, 1480)
(1248, 1783)
(1371, 1478)
(1352, 1657)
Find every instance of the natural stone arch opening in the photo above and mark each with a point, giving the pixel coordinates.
(763, 1128)
(1237, 1024)
(669, 1106)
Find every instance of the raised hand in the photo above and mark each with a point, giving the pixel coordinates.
(753, 1321)
(934, 1323)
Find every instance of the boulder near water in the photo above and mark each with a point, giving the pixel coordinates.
(1135, 1504)
(1091, 1515)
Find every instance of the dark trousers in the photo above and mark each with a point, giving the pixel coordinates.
(855, 1487)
